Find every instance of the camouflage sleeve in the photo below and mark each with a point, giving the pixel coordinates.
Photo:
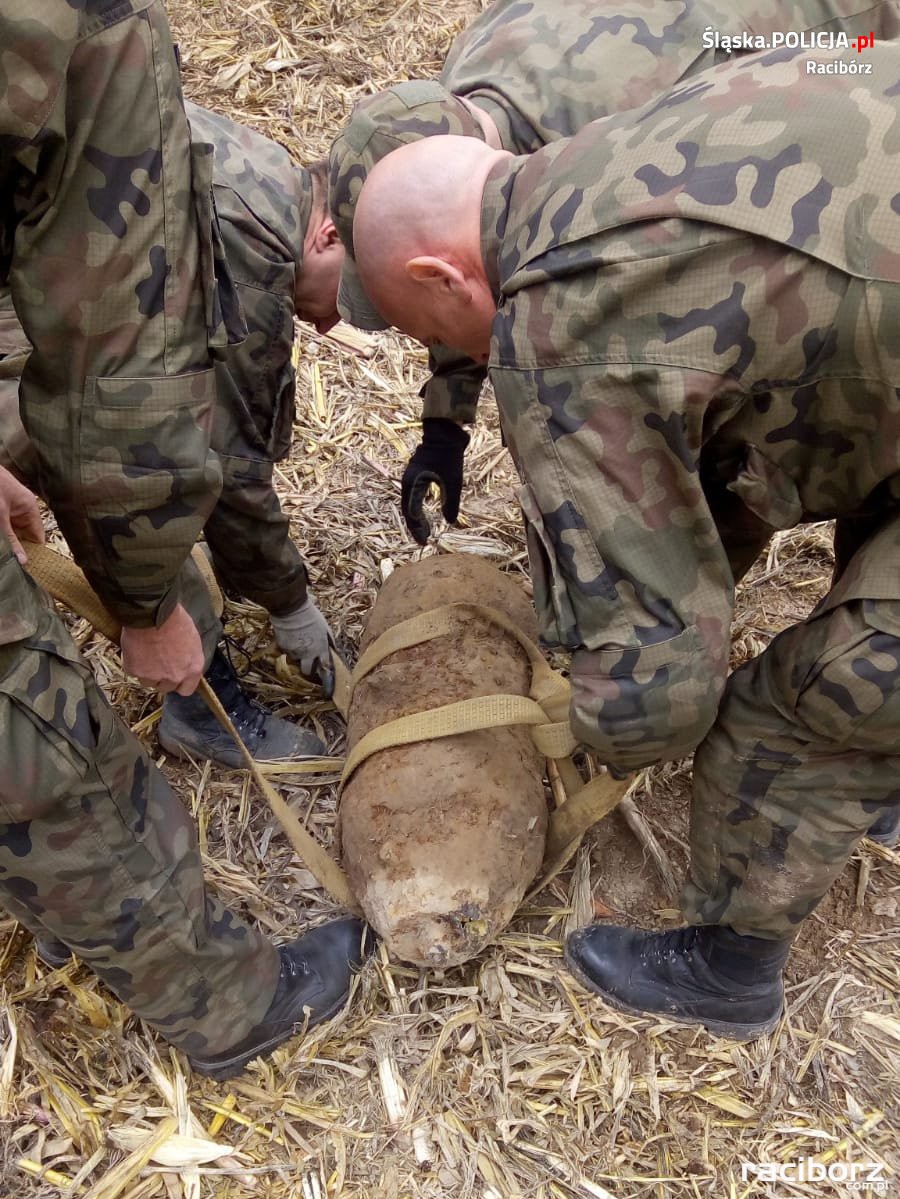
(454, 387)
(247, 532)
(881, 18)
(250, 539)
(112, 275)
(627, 565)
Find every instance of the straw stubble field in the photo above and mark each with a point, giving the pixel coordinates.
(502, 1078)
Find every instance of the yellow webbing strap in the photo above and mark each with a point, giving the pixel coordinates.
(547, 687)
(465, 716)
(570, 821)
(590, 803)
(61, 578)
(320, 864)
(545, 710)
(205, 566)
(64, 580)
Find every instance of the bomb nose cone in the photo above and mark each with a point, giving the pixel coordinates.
(438, 940)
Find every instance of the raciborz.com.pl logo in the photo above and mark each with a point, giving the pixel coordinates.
(866, 1177)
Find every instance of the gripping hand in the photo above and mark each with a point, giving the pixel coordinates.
(19, 514)
(305, 637)
(438, 459)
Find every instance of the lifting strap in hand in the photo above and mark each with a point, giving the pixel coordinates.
(63, 580)
(545, 710)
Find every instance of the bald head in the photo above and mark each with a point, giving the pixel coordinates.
(417, 240)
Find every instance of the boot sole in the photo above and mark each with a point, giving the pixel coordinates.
(234, 1065)
(719, 1028)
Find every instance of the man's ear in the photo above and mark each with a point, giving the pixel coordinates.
(439, 274)
(325, 235)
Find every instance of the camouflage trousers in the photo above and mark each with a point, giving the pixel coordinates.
(96, 850)
(803, 757)
(248, 532)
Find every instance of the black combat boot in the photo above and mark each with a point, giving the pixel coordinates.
(189, 729)
(53, 953)
(704, 974)
(316, 973)
(886, 829)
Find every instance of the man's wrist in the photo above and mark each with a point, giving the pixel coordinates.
(143, 616)
(167, 605)
(298, 599)
(439, 430)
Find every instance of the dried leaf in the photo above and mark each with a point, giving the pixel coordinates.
(176, 1152)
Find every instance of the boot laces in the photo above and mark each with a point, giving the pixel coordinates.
(672, 947)
(294, 968)
(246, 714)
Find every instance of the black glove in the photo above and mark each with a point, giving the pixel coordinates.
(438, 459)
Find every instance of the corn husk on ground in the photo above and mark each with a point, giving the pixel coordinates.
(500, 1079)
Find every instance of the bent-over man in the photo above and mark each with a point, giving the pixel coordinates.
(284, 254)
(106, 239)
(527, 73)
(689, 311)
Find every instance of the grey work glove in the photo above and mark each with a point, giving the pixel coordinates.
(305, 637)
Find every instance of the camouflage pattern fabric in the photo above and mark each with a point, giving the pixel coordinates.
(103, 202)
(16, 451)
(699, 300)
(802, 759)
(17, 455)
(96, 850)
(378, 125)
(543, 70)
(117, 396)
(264, 202)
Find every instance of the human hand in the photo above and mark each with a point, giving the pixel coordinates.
(438, 459)
(19, 514)
(305, 637)
(167, 658)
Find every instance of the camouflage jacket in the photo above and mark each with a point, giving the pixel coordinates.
(544, 69)
(263, 201)
(109, 244)
(697, 297)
